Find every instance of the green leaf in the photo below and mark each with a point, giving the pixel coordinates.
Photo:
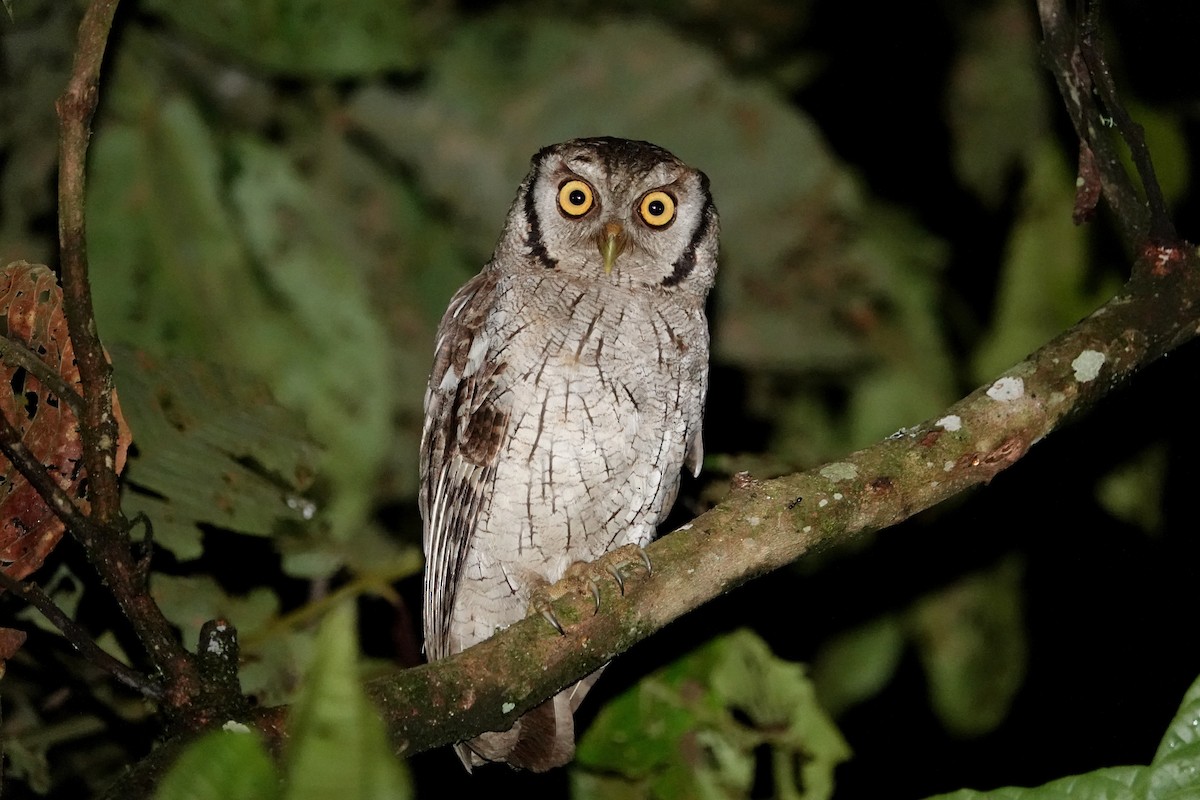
(222, 765)
(1174, 774)
(1133, 491)
(1114, 783)
(996, 79)
(1045, 285)
(329, 353)
(302, 37)
(212, 448)
(338, 747)
(971, 639)
(858, 664)
(219, 248)
(694, 728)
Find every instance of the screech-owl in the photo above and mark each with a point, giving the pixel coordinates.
(565, 399)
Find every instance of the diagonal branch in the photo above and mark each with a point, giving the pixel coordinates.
(32, 593)
(764, 525)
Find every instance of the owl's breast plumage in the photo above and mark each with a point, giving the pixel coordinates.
(603, 397)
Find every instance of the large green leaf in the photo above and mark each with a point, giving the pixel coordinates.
(337, 746)
(301, 37)
(222, 765)
(1174, 774)
(221, 247)
(1114, 783)
(210, 450)
(693, 728)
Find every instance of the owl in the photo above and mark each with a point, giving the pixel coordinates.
(566, 398)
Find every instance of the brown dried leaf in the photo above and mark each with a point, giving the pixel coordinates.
(31, 315)
(11, 640)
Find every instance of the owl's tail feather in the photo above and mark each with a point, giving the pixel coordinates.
(542, 739)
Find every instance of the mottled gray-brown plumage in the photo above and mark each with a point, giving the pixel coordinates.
(565, 399)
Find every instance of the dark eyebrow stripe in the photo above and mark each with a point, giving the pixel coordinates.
(684, 265)
(537, 247)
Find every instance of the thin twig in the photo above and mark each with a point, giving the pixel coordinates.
(16, 354)
(1061, 49)
(32, 593)
(98, 425)
(57, 499)
(1162, 228)
(109, 551)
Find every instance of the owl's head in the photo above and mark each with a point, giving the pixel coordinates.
(615, 210)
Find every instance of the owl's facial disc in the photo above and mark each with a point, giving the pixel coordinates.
(611, 240)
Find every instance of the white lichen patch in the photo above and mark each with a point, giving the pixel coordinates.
(839, 471)
(951, 422)
(949, 465)
(1007, 389)
(837, 495)
(753, 522)
(824, 502)
(807, 529)
(507, 707)
(233, 726)
(1087, 365)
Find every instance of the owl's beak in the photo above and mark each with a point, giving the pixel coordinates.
(611, 241)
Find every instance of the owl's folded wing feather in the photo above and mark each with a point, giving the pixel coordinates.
(465, 422)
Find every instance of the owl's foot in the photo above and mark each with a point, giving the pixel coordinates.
(617, 560)
(541, 603)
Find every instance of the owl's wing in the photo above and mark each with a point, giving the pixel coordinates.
(466, 419)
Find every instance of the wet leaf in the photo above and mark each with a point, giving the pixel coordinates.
(220, 248)
(32, 320)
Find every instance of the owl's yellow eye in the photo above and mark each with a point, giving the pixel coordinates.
(657, 209)
(575, 198)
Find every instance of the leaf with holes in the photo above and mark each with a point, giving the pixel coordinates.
(36, 351)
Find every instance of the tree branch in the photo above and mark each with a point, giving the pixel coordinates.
(106, 538)
(764, 525)
(31, 593)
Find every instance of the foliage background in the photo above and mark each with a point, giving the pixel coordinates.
(283, 195)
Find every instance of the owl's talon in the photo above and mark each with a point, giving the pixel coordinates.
(616, 573)
(646, 560)
(548, 615)
(595, 588)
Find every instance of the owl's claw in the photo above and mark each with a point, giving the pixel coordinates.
(616, 573)
(595, 588)
(542, 603)
(646, 560)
